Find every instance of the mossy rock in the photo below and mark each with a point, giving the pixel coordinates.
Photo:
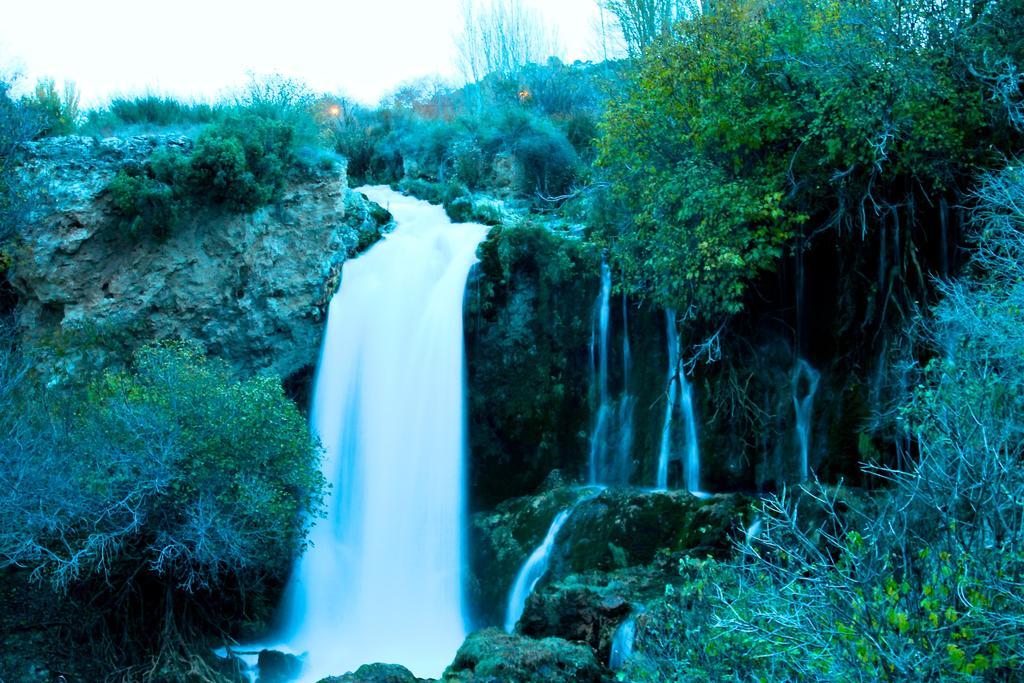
(493, 656)
(375, 673)
(628, 527)
(588, 608)
(500, 542)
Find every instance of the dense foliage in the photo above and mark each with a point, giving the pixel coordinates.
(763, 122)
(162, 483)
(239, 165)
(528, 134)
(17, 125)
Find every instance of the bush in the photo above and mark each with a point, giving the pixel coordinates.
(146, 206)
(239, 164)
(17, 126)
(57, 111)
(546, 161)
(156, 491)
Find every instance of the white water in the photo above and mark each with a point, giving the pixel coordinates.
(623, 641)
(611, 436)
(680, 392)
(382, 580)
(691, 466)
(620, 469)
(599, 365)
(536, 566)
(665, 451)
(803, 405)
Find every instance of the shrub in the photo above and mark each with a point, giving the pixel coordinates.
(160, 111)
(468, 162)
(145, 205)
(57, 111)
(239, 164)
(547, 163)
(157, 491)
(17, 125)
(242, 163)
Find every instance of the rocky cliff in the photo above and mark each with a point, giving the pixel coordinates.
(252, 288)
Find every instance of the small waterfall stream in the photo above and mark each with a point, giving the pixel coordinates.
(665, 450)
(805, 386)
(536, 566)
(599, 367)
(691, 466)
(381, 581)
(680, 393)
(611, 436)
(623, 640)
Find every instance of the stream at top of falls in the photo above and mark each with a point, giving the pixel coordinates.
(381, 580)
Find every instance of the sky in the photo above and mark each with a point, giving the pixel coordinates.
(204, 48)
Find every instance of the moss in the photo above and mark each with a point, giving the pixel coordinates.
(493, 655)
(527, 336)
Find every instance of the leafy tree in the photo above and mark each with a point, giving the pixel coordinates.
(760, 125)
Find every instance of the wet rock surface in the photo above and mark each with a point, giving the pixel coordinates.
(376, 673)
(493, 656)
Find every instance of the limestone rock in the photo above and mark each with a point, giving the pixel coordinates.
(252, 288)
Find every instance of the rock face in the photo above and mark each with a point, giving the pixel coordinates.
(619, 530)
(252, 288)
(493, 656)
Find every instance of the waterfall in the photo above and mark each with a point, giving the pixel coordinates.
(381, 581)
(803, 405)
(691, 468)
(599, 364)
(665, 451)
(621, 468)
(611, 437)
(536, 566)
(680, 392)
(623, 640)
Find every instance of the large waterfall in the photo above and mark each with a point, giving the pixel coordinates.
(381, 581)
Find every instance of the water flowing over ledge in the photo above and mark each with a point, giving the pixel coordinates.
(381, 581)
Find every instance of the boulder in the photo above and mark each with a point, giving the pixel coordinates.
(375, 673)
(616, 530)
(493, 656)
(278, 667)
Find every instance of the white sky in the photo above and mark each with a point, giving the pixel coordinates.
(200, 48)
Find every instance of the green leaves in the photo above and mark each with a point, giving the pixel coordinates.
(763, 117)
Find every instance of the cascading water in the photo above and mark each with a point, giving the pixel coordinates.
(805, 386)
(381, 581)
(536, 566)
(611, 437)
(691, 468)
(621, 466)
(665, 451)
(680, 392)
(599, 365)
(623, 640)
